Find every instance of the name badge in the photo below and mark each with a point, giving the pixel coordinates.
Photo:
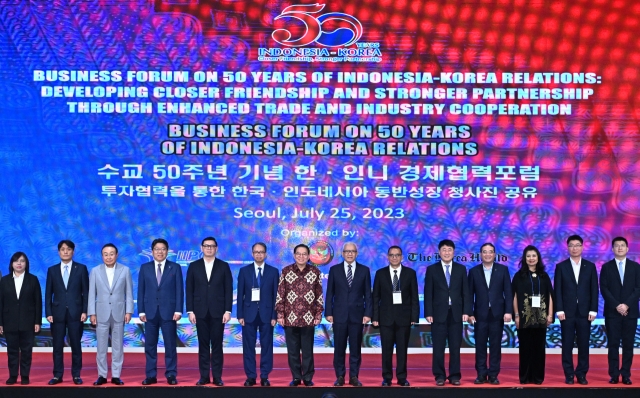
(397, 298)
(255, 294)
(535, 301)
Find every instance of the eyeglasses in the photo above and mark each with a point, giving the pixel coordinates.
(395, 255)
(209, 246)
(575, 246)
(261, 252)
(349, 251)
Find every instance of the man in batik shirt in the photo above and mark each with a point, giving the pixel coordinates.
(299, 307)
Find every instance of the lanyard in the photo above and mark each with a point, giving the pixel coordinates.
(533, 292)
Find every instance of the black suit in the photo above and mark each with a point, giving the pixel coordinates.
(348, 305)
(618, 327)
(395, 319)
(18, 317)
(447, 319)
(490, 303)
(209, 299)
(66, 306)
(576, 300)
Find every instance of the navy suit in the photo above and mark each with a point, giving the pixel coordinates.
(159, 303)
(490, 303)
(447, 319)
(618, 327)
(257, 315)
(576, 300)
(348, 305)
(66, 306)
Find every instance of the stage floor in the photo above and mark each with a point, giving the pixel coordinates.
(419, 373)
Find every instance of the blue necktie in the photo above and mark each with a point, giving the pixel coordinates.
(259, 276)
(65, 276)
(447, 275)
(621, 271)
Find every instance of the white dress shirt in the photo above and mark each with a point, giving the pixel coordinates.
(70, 264)
(444, 269)
(391, 272)
(18, 280)
(353, 269)
(111, 271)
(576, 273)
(208, 267)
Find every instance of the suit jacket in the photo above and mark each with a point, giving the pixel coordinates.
(105, 300)
(384, 311)
(24, 313)
(266, 307)
(168, 297)
(576, 299)
(75, 297)
(348, 304)
(215, 295)
(498, 293)
(437, 293)
(615, 293)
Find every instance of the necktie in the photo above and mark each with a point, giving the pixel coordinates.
(159, 274)
(621, 271)
(349, 275)
(65, 276)
(447, 275)
(395, 280)
(259, 276)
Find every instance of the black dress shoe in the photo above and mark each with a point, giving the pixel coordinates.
(77, 381)
(250, 382)
(480, 380)
(626, 380)
(149, 380)
(568, 381)
(55, 380)
(494, 381)
(264, 382)
(202, 381)
(440, 382)
(386, 383)
(404, 383)
(355, 382)
(100, 381)
(308, 383)
(24, 381)
(613, 380)
(117, 381)
(218, 382)
(171, 380)
(583, 381)
(339, 381)
(454, 382)
(11, 381)
(295, 383)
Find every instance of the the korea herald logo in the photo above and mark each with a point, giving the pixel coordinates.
(332, 29)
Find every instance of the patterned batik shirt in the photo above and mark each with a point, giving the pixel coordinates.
(299, 301)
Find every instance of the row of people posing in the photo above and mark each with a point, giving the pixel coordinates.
(294, 300)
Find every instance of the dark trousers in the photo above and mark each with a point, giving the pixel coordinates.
(489, 330)
(300, 339)
(210, 335)
(19, 349)
(151, 333)
(249, 337)
(59, 329)
(620, 328)
(533, 342)
(343, 332)
(575, 329)
(450, 330)
(397, 335)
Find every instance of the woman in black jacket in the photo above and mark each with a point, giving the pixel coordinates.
(20, 315)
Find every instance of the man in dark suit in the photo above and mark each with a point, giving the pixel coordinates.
(620, 287)
(348, 307)
(65, 302)
(490, 292)
(257, 291)
(576, 304)
(209, 301)
(447, 304)
(160, 302)
(395, 309)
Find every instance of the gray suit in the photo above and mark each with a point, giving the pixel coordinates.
(110, 304)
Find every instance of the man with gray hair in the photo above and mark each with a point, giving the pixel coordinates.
(348, 308)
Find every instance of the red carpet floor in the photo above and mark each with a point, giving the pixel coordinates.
(419, 373)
